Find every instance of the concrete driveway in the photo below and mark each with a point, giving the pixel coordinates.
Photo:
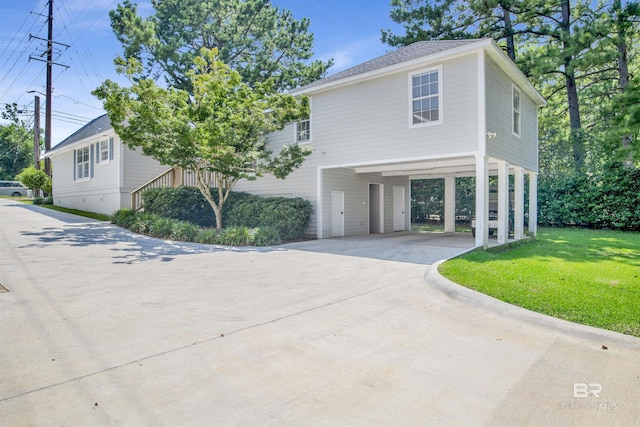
(104, 327)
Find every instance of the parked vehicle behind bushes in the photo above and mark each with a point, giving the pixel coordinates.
(13, 188)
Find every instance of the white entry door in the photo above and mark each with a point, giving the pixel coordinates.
(398, 208)
(337, 213)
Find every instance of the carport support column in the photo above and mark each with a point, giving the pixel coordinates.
(533, 203)
(518, 208)
(449, 204)
(503, 201)
(482, 201)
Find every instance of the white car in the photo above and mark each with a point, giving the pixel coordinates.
(12, 188)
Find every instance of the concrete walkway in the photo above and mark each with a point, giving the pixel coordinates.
(104, 327)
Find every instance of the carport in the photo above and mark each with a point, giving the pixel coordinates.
(398, 174)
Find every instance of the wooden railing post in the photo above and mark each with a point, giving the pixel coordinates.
(178, 176)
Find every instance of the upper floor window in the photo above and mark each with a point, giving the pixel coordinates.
(515, 107)
(303, 131)
(426, 97)
(103, 156)
(82, 163)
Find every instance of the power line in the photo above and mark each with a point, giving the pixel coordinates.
(8, 58)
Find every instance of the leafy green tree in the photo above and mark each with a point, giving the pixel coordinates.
(452, 20)
(35, 178)
(220, 128)
(253, 37)
(16, 144)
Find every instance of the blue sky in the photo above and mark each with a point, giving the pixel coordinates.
(346, 30)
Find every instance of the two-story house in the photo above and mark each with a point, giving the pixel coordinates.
(438, 109)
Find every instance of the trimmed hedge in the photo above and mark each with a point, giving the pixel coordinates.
(605, 199)
(289, 217)
(174, 229)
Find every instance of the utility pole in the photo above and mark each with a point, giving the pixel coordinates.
(49, 90)
(47, 124)
(36, 133)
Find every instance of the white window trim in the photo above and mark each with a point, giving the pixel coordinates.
(515, 90)
(88, 176)
(440, 97)
(295, 132)
(105, 161)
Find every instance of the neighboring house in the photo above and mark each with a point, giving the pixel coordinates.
(433, 109)
(92, 170)
(438, 109)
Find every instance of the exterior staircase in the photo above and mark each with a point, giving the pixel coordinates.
(174, 177)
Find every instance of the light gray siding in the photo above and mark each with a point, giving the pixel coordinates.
(369, 121)
(138, 169)
(520, 151)
(356, 199)
(105, 191)
(100, 192)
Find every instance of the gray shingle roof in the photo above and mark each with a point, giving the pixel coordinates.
(94, 127)
(406, 53)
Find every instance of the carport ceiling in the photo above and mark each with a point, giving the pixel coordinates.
(427, 169)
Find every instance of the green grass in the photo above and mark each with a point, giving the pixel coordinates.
(437, 226)
(92, 215)
(584, 276)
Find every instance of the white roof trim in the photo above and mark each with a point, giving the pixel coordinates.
(487, 45)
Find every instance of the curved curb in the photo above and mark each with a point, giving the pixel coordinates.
(485, 302)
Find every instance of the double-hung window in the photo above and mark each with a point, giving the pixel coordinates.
(303, 131)
(426, 97)
(82, 163)
(103, 155)
(515, 107)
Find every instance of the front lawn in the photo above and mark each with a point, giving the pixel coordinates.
(584, 276)
(92, 215)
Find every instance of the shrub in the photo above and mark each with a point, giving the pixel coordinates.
(34, 178)
(265, 236)
(181, 203)
(234, 236)
(290, 217)
(123, 217)
(603, 199)
(38, 200)
(142, 223)
(208, 236)
(184, 231)
(188, 204)
(47, 200)
(162, 227)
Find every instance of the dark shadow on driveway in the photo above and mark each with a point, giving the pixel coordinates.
(128, 247)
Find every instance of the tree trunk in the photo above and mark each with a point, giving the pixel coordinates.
(508, 31)
(577, 142)
(202, 185)
(623, 71)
